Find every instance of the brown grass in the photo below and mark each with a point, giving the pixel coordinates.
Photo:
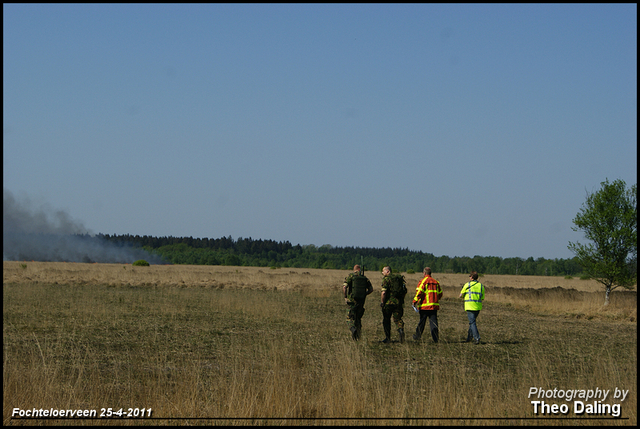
(235, 343)
(215, 276)
(501, 288)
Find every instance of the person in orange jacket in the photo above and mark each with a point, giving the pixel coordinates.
(428, 293)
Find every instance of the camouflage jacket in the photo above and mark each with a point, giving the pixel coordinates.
(386, 287)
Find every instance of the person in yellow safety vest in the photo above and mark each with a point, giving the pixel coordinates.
(428, 293)
(473, 294)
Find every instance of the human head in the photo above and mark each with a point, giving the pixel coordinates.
(356, 268)
(474, 275)
(426, 271)
(386, 271)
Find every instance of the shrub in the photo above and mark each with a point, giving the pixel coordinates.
(140, 263)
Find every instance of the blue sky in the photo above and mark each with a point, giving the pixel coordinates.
(457, 130)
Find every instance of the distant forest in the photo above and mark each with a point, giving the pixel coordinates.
(279, 254)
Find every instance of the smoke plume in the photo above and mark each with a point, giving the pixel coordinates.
(48, 235)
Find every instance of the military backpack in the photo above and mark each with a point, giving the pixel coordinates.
(359, 286)
(397, 286)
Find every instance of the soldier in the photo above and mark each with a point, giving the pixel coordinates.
(355, 289)
(393, 291)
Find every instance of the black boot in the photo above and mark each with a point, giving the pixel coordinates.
(354, 333)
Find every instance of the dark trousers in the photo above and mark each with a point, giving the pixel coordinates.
(388, 311)
(355, 313)
(432, 315)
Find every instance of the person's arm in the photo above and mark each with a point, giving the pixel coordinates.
(369, 288)
(419, 297)
(462, 292)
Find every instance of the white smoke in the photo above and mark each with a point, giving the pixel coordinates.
(43, 234)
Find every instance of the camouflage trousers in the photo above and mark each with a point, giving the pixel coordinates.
(354, 314)
(392, 310)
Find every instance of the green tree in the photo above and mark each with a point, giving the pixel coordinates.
(609, 218)
(233, 260)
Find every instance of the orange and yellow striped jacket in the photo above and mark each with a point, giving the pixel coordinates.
(427, 294)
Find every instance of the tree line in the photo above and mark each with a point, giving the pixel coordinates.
(277, 254)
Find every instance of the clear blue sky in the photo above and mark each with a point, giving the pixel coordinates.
(457, 130)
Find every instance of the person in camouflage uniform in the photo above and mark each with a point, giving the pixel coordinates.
(355, 289)
(392, 303)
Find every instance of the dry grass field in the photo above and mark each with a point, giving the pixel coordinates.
(243, 277)
(202, 345)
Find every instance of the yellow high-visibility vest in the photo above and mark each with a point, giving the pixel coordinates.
(473, 292)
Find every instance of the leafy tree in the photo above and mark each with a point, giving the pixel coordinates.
(233, 260)
(609, 218)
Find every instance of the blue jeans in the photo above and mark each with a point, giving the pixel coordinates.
(473, 329)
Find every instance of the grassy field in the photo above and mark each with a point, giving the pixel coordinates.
(253, 346)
